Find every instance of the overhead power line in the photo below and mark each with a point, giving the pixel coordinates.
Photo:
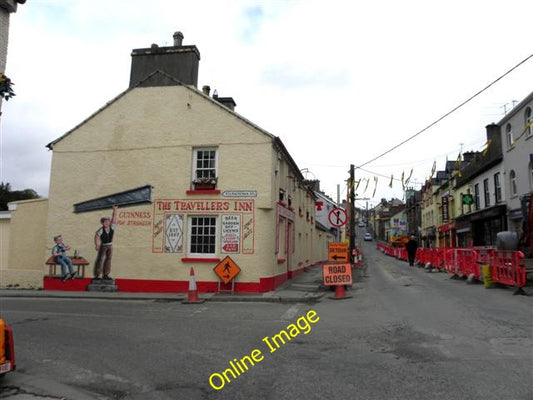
(447, 114)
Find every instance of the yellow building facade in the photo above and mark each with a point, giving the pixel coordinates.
(23, 243)
(166, 140)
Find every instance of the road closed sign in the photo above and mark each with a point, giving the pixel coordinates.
(337, 274)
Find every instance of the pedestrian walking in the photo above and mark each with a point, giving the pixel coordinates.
(411, 247)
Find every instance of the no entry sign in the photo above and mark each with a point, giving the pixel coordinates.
(337, 217)
(337, 274)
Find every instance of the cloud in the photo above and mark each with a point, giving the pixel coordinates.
(339, 83)
(287, 77)
(252, 21)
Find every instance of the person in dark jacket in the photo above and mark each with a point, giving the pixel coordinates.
(411, 247)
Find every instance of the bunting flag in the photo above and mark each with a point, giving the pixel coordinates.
(391, 178)
(366, 187)
(375, 186)
(358, 182)
(489, 142)
(409, 177)
(457, 165)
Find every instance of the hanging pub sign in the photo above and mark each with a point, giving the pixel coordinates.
(445, 209)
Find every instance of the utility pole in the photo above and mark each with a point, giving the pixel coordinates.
(351, 191)
(338, 235)
(351, 209)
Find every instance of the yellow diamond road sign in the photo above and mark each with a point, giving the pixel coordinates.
(227, 270)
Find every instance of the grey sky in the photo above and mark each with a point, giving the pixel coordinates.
(339, 83)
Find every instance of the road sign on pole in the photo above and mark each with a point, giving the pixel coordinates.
(337, 217)
(338, 252)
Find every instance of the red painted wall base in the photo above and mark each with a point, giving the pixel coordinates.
(266, 284)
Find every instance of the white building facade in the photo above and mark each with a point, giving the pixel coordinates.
(517, 147)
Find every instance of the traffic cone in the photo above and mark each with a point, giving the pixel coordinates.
(192, 297)
(340, 293)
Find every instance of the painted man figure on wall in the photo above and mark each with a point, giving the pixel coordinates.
(103, 244)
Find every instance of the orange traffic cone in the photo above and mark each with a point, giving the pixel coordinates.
(340, 293)
(192, 297)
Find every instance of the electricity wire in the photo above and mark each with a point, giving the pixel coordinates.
(447, 114)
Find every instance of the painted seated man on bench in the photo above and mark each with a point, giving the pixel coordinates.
(61, 257)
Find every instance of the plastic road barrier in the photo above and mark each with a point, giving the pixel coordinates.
(506, 269)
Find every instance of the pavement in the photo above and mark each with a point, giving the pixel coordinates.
(304, 288)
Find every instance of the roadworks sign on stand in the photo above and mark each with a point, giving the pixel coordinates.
(338, 252)
(338, 275)
(226, 271)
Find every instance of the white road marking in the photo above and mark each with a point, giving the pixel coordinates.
(291, 312)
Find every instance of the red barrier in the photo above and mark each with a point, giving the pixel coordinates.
(468, 263)
(422, 255)
(451, 262)
(505, 266)
(485, 254)
(436, 257)
(506, 269)
(402, 254)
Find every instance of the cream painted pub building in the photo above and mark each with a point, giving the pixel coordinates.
(195, 183)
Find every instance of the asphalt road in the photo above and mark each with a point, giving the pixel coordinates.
(405, 334)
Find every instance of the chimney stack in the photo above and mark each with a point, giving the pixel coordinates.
(179, 61)
(469, 155)
(178, 39)
(495, 136)
(225, 101)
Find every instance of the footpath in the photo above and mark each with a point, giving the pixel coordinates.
(304, 288)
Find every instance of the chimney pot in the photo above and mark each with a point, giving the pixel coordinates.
(178, 39)
(154, 46)
(206, 89)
